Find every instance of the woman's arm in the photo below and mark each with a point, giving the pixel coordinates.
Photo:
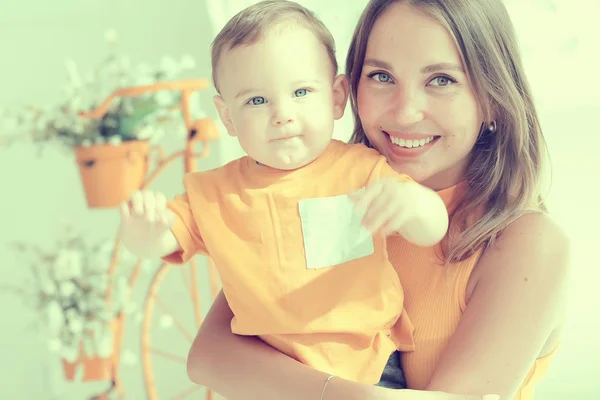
(517, 303)
(245, 368)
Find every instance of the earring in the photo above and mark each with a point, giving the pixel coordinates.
(492, 127)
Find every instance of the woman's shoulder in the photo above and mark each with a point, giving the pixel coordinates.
(534, 234)
(533, 249)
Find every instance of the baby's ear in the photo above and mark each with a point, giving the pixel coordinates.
(340, 95)
(223, 111)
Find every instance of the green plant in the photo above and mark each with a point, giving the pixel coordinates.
(68, 288)
(145, 117)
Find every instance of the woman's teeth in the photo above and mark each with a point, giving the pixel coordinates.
(409, 144)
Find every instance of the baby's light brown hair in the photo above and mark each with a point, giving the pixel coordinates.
(254, 22)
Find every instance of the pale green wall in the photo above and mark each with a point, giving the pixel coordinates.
(38, 192)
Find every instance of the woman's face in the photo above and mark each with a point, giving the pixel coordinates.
(415, 102)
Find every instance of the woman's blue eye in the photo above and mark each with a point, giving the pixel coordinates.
(381, 77)
(300, 92)
(257, 101)
(442, 81)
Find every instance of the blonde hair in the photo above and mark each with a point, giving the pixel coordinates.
(506, 168)
(252, 23)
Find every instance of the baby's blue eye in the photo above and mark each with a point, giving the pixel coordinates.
(300, 92)
(256, 101)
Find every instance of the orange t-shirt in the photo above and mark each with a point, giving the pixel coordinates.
(337, 318)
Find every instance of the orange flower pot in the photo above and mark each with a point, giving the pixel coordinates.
(110, 174)
(204, 130)
(97, 368)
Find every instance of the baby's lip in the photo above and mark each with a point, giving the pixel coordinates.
(285, 137)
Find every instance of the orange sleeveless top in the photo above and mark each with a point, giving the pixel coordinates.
(434, 301)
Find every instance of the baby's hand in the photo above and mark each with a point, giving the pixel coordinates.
(407, 208)
(145, 219)
(389, 204)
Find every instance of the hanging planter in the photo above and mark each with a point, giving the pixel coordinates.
(82, 304)
(110, 174)
(204, 130)
(95, 367)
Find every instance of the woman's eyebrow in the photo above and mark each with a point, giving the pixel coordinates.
(372, 62)
(443, 66)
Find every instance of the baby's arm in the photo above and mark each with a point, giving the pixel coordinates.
(146, 226)
(429, 221)
(395, 203)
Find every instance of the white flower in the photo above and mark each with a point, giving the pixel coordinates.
(76, 325)
(70, 352)
(71, 314)
(56, 317)
(115, 140)
(88, 347)
(105, 315)
(129, 358)
(41, 123)
(144, 69)
(68, 265)
(125, 64)
(67, 288)
(73, 74)
(122, 288)
(54, 345)
(110, 36)
(145, 132)
(8, 123)
(139, 317)
(98, 284)
(130, 308)
(169, 67)
(86, 143)
(166, 321)
(144, 80)
(84, 304)
(164, 98)
(104, 344)
(99, 140)
(48, 287)
(187, 62)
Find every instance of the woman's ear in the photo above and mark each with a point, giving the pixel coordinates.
(224, 115)
(340, 95)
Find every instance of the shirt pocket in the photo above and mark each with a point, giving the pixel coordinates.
(332, 232)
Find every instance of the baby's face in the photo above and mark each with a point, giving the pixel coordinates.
(279, 97)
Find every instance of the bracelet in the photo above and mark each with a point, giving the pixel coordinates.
(325, 386)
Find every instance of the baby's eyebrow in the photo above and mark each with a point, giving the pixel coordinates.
(245, 92)
(307, 82)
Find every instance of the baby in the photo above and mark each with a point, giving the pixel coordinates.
(297, 228)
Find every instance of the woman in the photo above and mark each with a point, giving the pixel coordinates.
(438, 88)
